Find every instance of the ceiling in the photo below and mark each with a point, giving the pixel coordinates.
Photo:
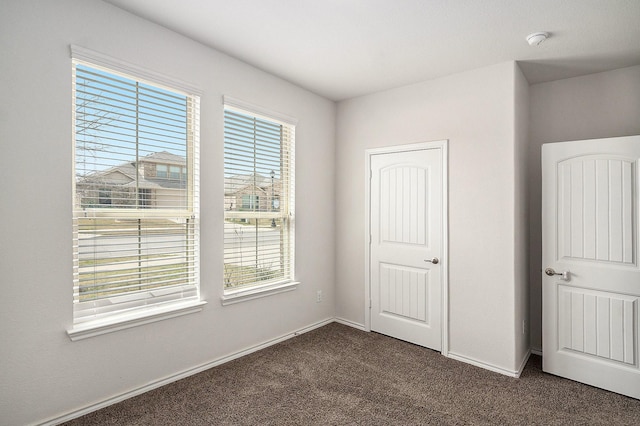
(346, 48)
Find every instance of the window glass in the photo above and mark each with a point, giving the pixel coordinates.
(162, 171)
(135, 234)
(174, 172)
(259, 206)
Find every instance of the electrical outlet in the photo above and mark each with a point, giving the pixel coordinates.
(319, 296)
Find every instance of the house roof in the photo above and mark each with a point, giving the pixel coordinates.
(164, 157)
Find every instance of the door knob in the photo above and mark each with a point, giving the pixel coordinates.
(435, 260)
(564, 275)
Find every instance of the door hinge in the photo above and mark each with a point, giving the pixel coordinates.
(370, 174)
(369, 303)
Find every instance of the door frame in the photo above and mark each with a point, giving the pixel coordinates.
(442, 145)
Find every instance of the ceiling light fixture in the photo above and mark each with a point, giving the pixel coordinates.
(535, 39)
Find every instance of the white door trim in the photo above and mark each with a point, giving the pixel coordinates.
(441, 145)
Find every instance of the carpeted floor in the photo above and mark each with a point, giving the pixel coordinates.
(337, 375)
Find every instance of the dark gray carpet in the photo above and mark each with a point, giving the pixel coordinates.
(337, 375)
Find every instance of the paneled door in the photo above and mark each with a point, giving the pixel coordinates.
(406, 245)
(591, 284)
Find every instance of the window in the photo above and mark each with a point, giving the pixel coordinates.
(144, 195)
(135, 237)
(104, 197)
(250, 202)
(259, 205)
(174, 172)
(162, 171)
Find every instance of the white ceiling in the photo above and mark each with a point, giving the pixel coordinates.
(346, 48)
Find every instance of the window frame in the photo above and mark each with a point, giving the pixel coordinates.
(257, 289)
(153, 312)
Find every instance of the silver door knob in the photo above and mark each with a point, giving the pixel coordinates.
(564, 275)
(435, 260)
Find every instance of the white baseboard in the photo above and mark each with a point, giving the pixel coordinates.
(523, 364)
(457, 357)
(487, 366)
(301, 331)
(178, 376)
(536, 351)
(350, 323)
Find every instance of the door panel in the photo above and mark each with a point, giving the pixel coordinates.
(590, 228)
(597, 323)
(406, 225)
(595, 208)
(402, 203)
(404, 292)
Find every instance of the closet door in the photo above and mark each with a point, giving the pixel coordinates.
(591, 284)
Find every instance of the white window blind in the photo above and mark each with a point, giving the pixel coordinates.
(259, 202)
(135, 213)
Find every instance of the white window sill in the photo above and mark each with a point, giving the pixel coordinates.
(242, 295)
(122, 322)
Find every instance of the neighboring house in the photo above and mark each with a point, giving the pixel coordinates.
(159, 180)
(252, 192)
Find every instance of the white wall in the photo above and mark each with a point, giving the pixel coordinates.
(42, 373)
(589, 107)
(475, 112)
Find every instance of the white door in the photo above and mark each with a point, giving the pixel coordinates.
(406, 245)
(590, 216)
